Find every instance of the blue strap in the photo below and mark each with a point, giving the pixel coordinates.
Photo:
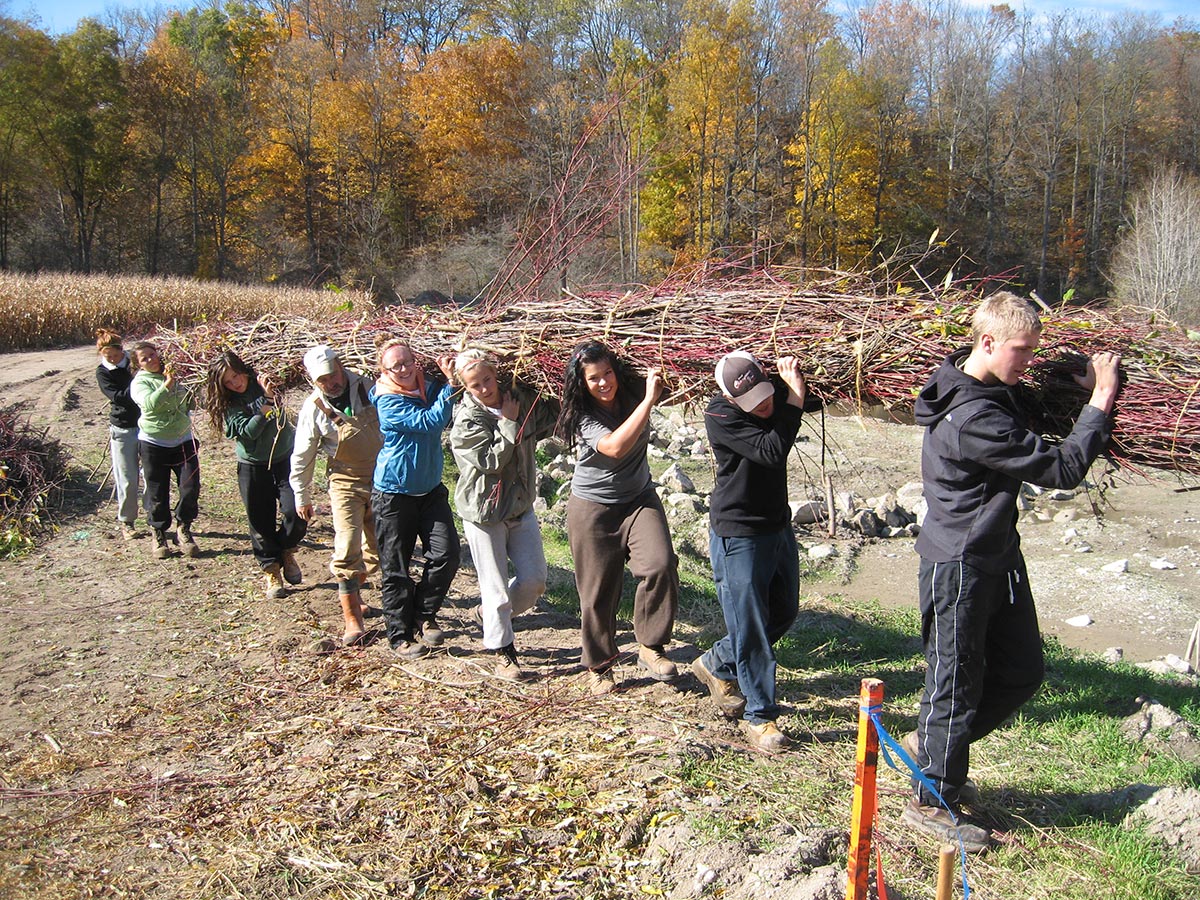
(886, 743)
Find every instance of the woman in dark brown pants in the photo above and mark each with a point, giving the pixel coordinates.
(614, 516)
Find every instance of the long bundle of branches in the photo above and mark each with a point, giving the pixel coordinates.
(859, 344)
(32, 467)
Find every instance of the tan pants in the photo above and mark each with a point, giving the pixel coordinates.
(354, 547)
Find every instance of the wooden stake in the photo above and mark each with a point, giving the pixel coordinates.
(945, 883)
(862, 815)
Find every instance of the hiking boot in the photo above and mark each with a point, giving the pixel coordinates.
(968, 794)
(600, 683)
(407, 648)
(274, 588)
(725, 693)
(765, 736)
(936, 821)
(431, 634)
(291, 568)
(128, 531)
(158, 543)
(508, 670)
(187, 543)
(507, 667)
(654, 661)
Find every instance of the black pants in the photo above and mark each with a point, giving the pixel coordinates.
(271, 509)
(983, 653)
(399, 520)
(158, 465)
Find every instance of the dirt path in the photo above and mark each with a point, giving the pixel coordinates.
(188, 728)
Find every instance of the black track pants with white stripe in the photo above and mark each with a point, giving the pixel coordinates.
(984, 656)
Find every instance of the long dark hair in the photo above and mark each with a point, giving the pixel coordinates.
(216, 395)
(577, 400)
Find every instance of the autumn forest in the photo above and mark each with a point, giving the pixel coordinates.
(331, 141)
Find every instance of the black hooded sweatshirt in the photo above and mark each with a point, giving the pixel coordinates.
(751, 494)
(976, 453)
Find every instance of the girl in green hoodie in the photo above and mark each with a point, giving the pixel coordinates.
(243, 406)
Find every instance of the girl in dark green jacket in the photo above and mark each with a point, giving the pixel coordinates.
(243, 406)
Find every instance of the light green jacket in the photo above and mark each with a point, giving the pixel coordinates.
(164, 412)
(496, 457)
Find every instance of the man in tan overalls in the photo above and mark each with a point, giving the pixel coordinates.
(339, 420)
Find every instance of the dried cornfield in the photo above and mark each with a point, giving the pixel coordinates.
(53, 309)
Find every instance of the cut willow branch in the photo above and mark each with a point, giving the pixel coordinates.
(859, 346)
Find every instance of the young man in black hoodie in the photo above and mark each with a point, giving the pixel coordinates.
(752, 426)
(978, 622)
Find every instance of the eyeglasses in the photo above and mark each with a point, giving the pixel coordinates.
(399, 367)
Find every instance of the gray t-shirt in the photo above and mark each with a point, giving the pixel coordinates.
(601, 478)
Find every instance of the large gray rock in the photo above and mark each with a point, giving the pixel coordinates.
(866, 523)
(676, 479)
(807, 512)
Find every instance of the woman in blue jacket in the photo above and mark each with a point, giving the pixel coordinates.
(409, 499)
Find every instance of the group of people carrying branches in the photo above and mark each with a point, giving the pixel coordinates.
(382, 439)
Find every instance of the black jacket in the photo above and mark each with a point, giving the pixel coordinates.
(976, 453)
(751, 493)
(114, 384)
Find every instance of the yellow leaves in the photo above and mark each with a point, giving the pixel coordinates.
(469, 106)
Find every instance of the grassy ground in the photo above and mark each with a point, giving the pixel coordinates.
(1054, 781)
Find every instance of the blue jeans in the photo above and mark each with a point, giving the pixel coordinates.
(758, 584)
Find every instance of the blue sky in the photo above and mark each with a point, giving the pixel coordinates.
(58, 16)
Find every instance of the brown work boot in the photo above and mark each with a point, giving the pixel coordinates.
(725, 693)
(274, 582)
(291, 568)
(936, 821)
(765, 736)
(158, 543)
(187, 543)
(431, 633)
(600, 683)
(654, 661)
(507, 667)
(352, 618)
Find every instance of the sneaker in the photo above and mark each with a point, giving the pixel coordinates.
(431, 634)
(968, 794)
(725, 693)
(187, 543)
(291, 568)
(158, 543)
(600, 683)
(765, 736)
(406, 648)
(936, 821)
(274, 588)
(128, 531)
(654, 661)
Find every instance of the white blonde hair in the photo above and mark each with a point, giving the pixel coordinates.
(470, 358)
